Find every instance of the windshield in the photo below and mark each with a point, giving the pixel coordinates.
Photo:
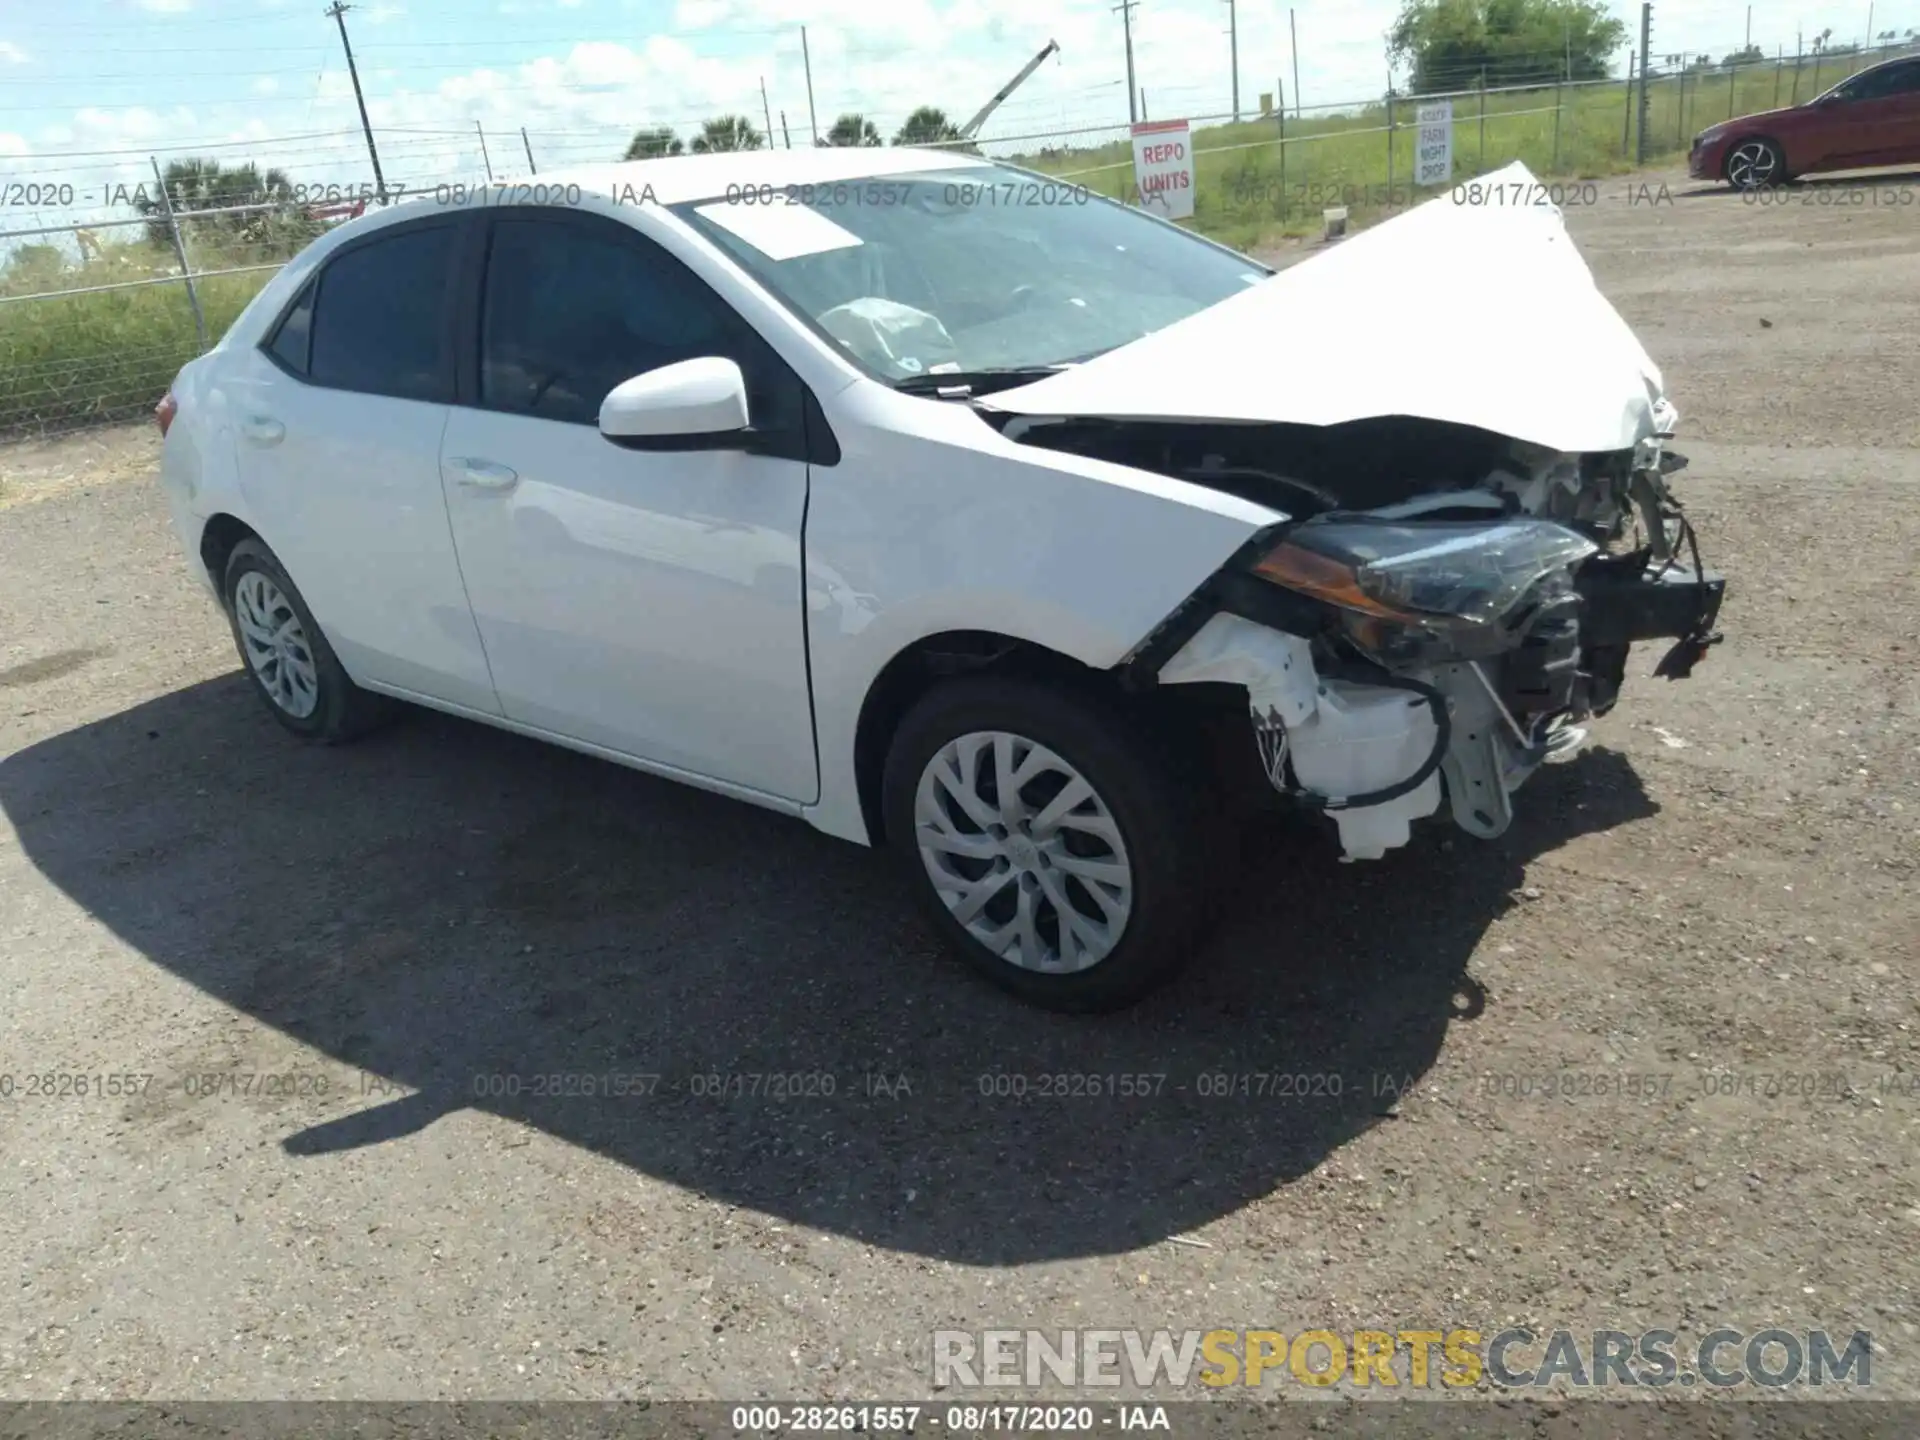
(981, 268)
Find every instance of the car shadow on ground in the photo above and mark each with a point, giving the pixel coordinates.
(482, 919)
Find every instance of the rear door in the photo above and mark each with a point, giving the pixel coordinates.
(339, 416)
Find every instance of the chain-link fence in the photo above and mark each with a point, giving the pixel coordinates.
(96, 318)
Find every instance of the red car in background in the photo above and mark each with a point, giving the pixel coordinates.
(1872, 118)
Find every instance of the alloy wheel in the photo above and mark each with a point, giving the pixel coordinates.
(1023, 851)
(1752, 165)
(276, 645)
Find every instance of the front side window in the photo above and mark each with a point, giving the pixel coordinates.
(573, 309)
(973, 268)
(1880, 84)
(379, 319)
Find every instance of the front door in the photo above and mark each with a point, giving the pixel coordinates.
(649, 603)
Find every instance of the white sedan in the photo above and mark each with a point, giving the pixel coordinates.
(947, 506)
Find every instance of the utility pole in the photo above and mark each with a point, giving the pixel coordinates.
(767, 109)
(1293, 35)
(806, 59)
(785, 133)
(1233, 49)
(532, 169)
(1646, 66)
(485, 159)
(1749, 41)
(1125, 7)
(338, 10)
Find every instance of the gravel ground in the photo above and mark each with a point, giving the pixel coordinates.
(1719, 891)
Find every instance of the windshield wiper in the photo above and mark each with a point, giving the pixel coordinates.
(976, 382)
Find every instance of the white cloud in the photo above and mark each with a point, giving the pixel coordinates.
(13, 146)
(12, 53)
(165, 7)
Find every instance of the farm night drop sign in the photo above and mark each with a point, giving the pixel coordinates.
(1163, 168)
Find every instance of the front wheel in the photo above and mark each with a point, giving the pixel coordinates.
(1756, 165)
(1055, 850)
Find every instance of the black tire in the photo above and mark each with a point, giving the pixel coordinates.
(343, 711)
(1157, 805)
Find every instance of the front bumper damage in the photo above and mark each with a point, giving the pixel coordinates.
(1378, 749)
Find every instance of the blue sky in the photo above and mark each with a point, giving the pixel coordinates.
(91, 87)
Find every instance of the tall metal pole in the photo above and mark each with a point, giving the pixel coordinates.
(767, 109)
(785, 133)
(532, 169)
(485, 159)
(1626, 120)
(1390, 139)
(1125, 7)
(806, 59)
(1233, 49)
(1646, 68)
(1480, 163)
(180, 252)
(338, 10)
(1282, 108)
(1293, 34)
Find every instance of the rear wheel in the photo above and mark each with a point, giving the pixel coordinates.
(1055, 850)
(1756, 165)
(287, 657)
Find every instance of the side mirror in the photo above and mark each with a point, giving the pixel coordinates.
(693, 405)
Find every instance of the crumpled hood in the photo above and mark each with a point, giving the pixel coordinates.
(1481, 314)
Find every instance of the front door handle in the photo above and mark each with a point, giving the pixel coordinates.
(263, 429)
(484, 474)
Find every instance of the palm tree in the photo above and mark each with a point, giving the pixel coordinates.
(652, 143)
(854, 129)
(927, 126)
(728, 132)
(195, 184)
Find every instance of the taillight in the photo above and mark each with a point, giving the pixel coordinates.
(164, 412)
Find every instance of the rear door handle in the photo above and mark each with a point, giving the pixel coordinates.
(263, 429)
(484, 474)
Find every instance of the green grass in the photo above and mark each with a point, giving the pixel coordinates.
(1266, 186)
(68, 360)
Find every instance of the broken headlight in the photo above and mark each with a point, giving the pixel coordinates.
(1438, 573)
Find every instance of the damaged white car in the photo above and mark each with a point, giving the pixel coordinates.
(945, 505)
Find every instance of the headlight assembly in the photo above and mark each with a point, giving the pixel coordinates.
(1407, 571)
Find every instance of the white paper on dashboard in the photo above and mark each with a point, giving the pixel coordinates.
(780, 231)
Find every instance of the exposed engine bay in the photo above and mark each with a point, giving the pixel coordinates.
(1443, 608)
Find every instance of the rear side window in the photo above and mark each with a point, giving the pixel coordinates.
(379, 320)
(571, 310)
(290, 339)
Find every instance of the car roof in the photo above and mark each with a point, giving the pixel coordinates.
(679, 178)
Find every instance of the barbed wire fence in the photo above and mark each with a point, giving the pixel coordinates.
(100, 309)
